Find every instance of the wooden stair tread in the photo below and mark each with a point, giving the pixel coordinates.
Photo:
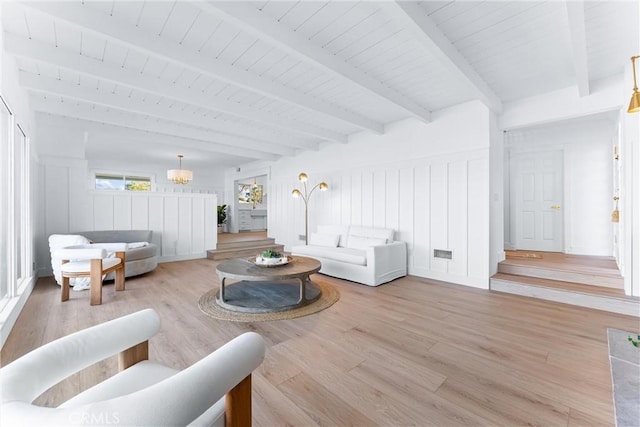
(567, 286)
(243, 251)
(604, 271)
(246, 243)
(256, 247)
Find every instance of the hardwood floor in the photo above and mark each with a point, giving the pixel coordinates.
(411, 352)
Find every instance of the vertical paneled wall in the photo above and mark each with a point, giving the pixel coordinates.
(439, 203)
(427, 181)
(431, 203)
(184, 224)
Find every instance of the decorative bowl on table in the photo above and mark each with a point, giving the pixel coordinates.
(270, 258)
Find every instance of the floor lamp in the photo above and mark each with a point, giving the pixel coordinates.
(305, 197)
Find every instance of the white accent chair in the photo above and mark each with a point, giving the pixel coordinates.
(87, 260)
(214, 391)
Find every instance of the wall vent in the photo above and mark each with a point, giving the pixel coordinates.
(443, 254)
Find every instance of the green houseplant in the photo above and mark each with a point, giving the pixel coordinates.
(222, 217)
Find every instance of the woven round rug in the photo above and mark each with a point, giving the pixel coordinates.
(210, 307)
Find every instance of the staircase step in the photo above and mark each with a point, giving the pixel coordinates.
(596, 297)
(247, 251)
(246, 244)
(583, 275)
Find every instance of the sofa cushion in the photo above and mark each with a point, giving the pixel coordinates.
(342, 230)
(137, 377)
(347, 255)
(148, 251)
(358, 242)
(372, 232)
(324, 239)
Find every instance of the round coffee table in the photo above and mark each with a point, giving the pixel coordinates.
(267, 289)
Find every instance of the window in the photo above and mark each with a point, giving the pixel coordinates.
(16, 247)
(122, 182)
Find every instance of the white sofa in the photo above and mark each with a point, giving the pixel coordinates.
(364, 255)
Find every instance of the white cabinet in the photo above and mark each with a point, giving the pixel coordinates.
(245, 222)
(249, 220)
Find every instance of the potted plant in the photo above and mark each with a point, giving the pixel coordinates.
(271, 257)
(222, 217)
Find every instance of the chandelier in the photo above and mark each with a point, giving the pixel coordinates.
(180, 176)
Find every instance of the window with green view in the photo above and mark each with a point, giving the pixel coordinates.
(122, 182)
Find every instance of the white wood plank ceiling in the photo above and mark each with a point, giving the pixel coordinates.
(231, 82)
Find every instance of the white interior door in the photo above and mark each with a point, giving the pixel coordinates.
(537, 192)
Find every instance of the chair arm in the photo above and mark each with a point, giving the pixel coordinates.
(80, 252)
(29, 376)
(178, 400)
(182, 398)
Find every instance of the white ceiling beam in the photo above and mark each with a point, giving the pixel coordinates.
(73, 61)
(90, 19)
(425, 30)
(68, 109)
(249, 19)
(150, 139)
(577, 32)
(124, 103)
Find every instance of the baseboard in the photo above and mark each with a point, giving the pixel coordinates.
(474, 282)
(172, 258)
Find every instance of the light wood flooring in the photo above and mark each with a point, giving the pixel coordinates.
(411, 352)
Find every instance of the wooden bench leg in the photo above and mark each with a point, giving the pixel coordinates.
(64, 295)
(238, 404)
(120, 273)
(96, 282)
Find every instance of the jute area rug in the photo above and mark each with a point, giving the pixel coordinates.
(208, 306)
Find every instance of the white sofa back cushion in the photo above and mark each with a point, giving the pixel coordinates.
(373, 233)
(342, 230)
(324, 239)
(359, 242)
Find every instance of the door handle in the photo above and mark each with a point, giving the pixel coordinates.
(556, 207)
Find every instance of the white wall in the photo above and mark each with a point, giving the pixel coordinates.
(588, 186)
(497, 174)
(430, 182)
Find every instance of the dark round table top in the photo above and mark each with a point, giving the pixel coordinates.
(243, 269)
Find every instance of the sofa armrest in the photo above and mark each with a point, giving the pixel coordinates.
(388, 257)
